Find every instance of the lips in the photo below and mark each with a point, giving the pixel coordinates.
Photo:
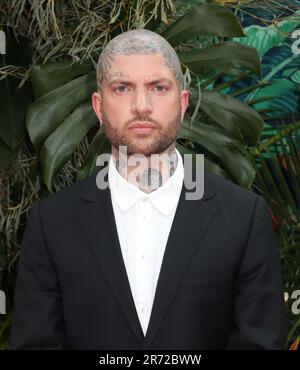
(141, 125)
(142, 128)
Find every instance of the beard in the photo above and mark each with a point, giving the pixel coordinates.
(155, 142)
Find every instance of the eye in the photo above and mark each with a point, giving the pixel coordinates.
(120, 88)
(161, 88)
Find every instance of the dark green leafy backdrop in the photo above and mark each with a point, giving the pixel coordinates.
(239, 64)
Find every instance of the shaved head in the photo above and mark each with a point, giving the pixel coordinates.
(140, 41)
(140, 83)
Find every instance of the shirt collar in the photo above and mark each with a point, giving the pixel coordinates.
(164, 198)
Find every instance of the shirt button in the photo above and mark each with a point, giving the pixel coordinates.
(143, 309)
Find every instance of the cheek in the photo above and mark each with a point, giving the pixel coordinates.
(166, 109)
(116, 112)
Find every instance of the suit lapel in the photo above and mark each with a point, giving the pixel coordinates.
(97, 217)
(189, 225)
(190, 222)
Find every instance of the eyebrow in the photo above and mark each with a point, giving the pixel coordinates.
(127, 82)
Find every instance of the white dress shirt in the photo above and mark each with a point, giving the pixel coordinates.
(143, 224)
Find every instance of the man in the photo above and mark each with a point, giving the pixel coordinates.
(137, 265)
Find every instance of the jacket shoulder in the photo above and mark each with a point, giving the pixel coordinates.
(70, 196)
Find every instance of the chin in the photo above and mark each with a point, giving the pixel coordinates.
(144, 152)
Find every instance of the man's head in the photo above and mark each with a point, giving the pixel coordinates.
(140, 83)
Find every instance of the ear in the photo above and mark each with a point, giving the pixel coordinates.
(97, 105)
(184, 101)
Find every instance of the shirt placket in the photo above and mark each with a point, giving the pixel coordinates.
(142, 260)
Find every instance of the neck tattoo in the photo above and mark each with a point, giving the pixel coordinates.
(151, 178)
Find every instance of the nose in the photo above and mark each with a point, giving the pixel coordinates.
(141, 103)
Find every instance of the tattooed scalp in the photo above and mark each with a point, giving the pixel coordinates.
(139, 41)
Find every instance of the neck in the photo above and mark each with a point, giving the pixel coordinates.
(146, 173)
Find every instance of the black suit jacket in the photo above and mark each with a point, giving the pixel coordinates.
(219, 286)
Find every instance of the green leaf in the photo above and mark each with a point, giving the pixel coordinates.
(265, 38)
(227, 57)
(46, 113)
(60, 145)
(212, 167)
(235, 163)
(221, 137)
(47, 77)
(208, 164)
(233, 115)
(204, 20)
(285, 98)
(99, 145)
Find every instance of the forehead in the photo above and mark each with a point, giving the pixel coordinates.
(139, 66)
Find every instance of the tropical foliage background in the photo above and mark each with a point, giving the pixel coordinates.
(243, 75)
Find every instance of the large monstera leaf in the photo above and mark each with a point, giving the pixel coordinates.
(61, 114)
